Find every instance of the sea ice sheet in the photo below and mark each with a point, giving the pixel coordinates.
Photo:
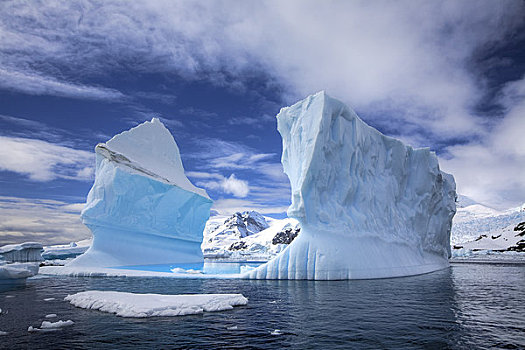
(150, 305)
(368, 205)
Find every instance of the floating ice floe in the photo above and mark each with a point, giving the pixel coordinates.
(150, 305)
(48, 326)
(142, 209)
(368, 205)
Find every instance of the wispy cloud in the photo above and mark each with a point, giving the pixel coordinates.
(255, 122)
(230, 206)
(46, 221)
(44, 161)
(35, 84)
(405, 66)
(264, 180)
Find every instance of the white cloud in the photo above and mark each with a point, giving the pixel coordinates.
(232, 185)
(491, 170)
(44, 161)
(46, 221)
(35, 84)
(404, 64)
(239, 188)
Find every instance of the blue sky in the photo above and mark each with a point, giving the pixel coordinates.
(447, 75)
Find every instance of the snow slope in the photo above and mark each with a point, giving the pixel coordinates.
(142, 209)
(473, 220)
(246, 236)
(150, 305)
(478, 229)
(510, 238)
(368, 205)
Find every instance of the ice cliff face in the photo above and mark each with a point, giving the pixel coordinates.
(142, 209)
(368, 205)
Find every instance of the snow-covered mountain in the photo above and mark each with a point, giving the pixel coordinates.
(473, 219)
(477, 227)
(247, 236)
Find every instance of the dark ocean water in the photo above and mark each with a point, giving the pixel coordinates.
(469, 306)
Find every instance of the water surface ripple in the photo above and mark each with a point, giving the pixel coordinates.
(469, 306)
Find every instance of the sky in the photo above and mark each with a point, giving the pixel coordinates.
(448, 75)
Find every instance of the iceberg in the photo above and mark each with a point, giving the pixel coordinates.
(154, 305)
(368, 205)
(142, 209)
(24, 252)
(17, 271)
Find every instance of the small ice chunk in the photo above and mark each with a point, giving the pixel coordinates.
(49, 299)
(51, 316)
(3, 333)
(276, 332)
(57, 324)
(150, 305)
(51, 326)
(232, 328)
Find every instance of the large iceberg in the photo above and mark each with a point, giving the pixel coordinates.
(368, 205)
(142, 209)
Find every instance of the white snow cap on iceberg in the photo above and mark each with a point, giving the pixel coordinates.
(150, 305)
(151, 147)
(368, 205)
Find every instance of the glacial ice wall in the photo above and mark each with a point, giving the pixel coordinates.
(369, 206)
(142, 209)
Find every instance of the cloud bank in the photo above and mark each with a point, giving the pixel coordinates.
(48, 221)
(44, 161)
(407, 67)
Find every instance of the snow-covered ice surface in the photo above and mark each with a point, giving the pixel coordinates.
(142, 209)
(368, 206)
(150, 305)
(68, 251)
(481, 232)
(24, 252)
(473, 220)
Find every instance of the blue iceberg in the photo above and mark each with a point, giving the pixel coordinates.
(142, 209)
(368, 205)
